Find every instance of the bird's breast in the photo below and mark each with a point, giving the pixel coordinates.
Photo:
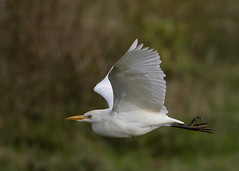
(110, 129)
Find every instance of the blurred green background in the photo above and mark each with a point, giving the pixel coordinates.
(52, 53)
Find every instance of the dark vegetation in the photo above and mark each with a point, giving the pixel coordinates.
(52, 53)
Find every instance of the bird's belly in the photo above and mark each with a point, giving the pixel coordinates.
(122, 130)
(109, 130)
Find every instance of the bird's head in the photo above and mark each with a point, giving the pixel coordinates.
(91, 116)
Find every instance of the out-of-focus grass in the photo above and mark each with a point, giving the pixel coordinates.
(52, 53)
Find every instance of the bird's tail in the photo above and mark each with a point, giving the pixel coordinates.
(202, 127)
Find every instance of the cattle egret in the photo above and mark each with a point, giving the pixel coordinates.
(134, 89)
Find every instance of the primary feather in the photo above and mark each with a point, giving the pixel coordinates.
(137, 79)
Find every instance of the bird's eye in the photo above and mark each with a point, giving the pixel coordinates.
(89, 116)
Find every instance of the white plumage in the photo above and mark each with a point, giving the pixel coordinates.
(104, 88)
(134, 89)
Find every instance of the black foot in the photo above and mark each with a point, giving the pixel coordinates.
(202, 127)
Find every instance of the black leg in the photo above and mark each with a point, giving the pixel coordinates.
(194, 119)
(202, 127)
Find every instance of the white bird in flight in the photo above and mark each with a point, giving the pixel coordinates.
(134, 89)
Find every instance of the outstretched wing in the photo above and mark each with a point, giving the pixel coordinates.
(138, 81)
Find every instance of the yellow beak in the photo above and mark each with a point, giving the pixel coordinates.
(79, 117)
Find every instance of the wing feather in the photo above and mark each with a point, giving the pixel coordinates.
(138, 81)
(104, 89)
